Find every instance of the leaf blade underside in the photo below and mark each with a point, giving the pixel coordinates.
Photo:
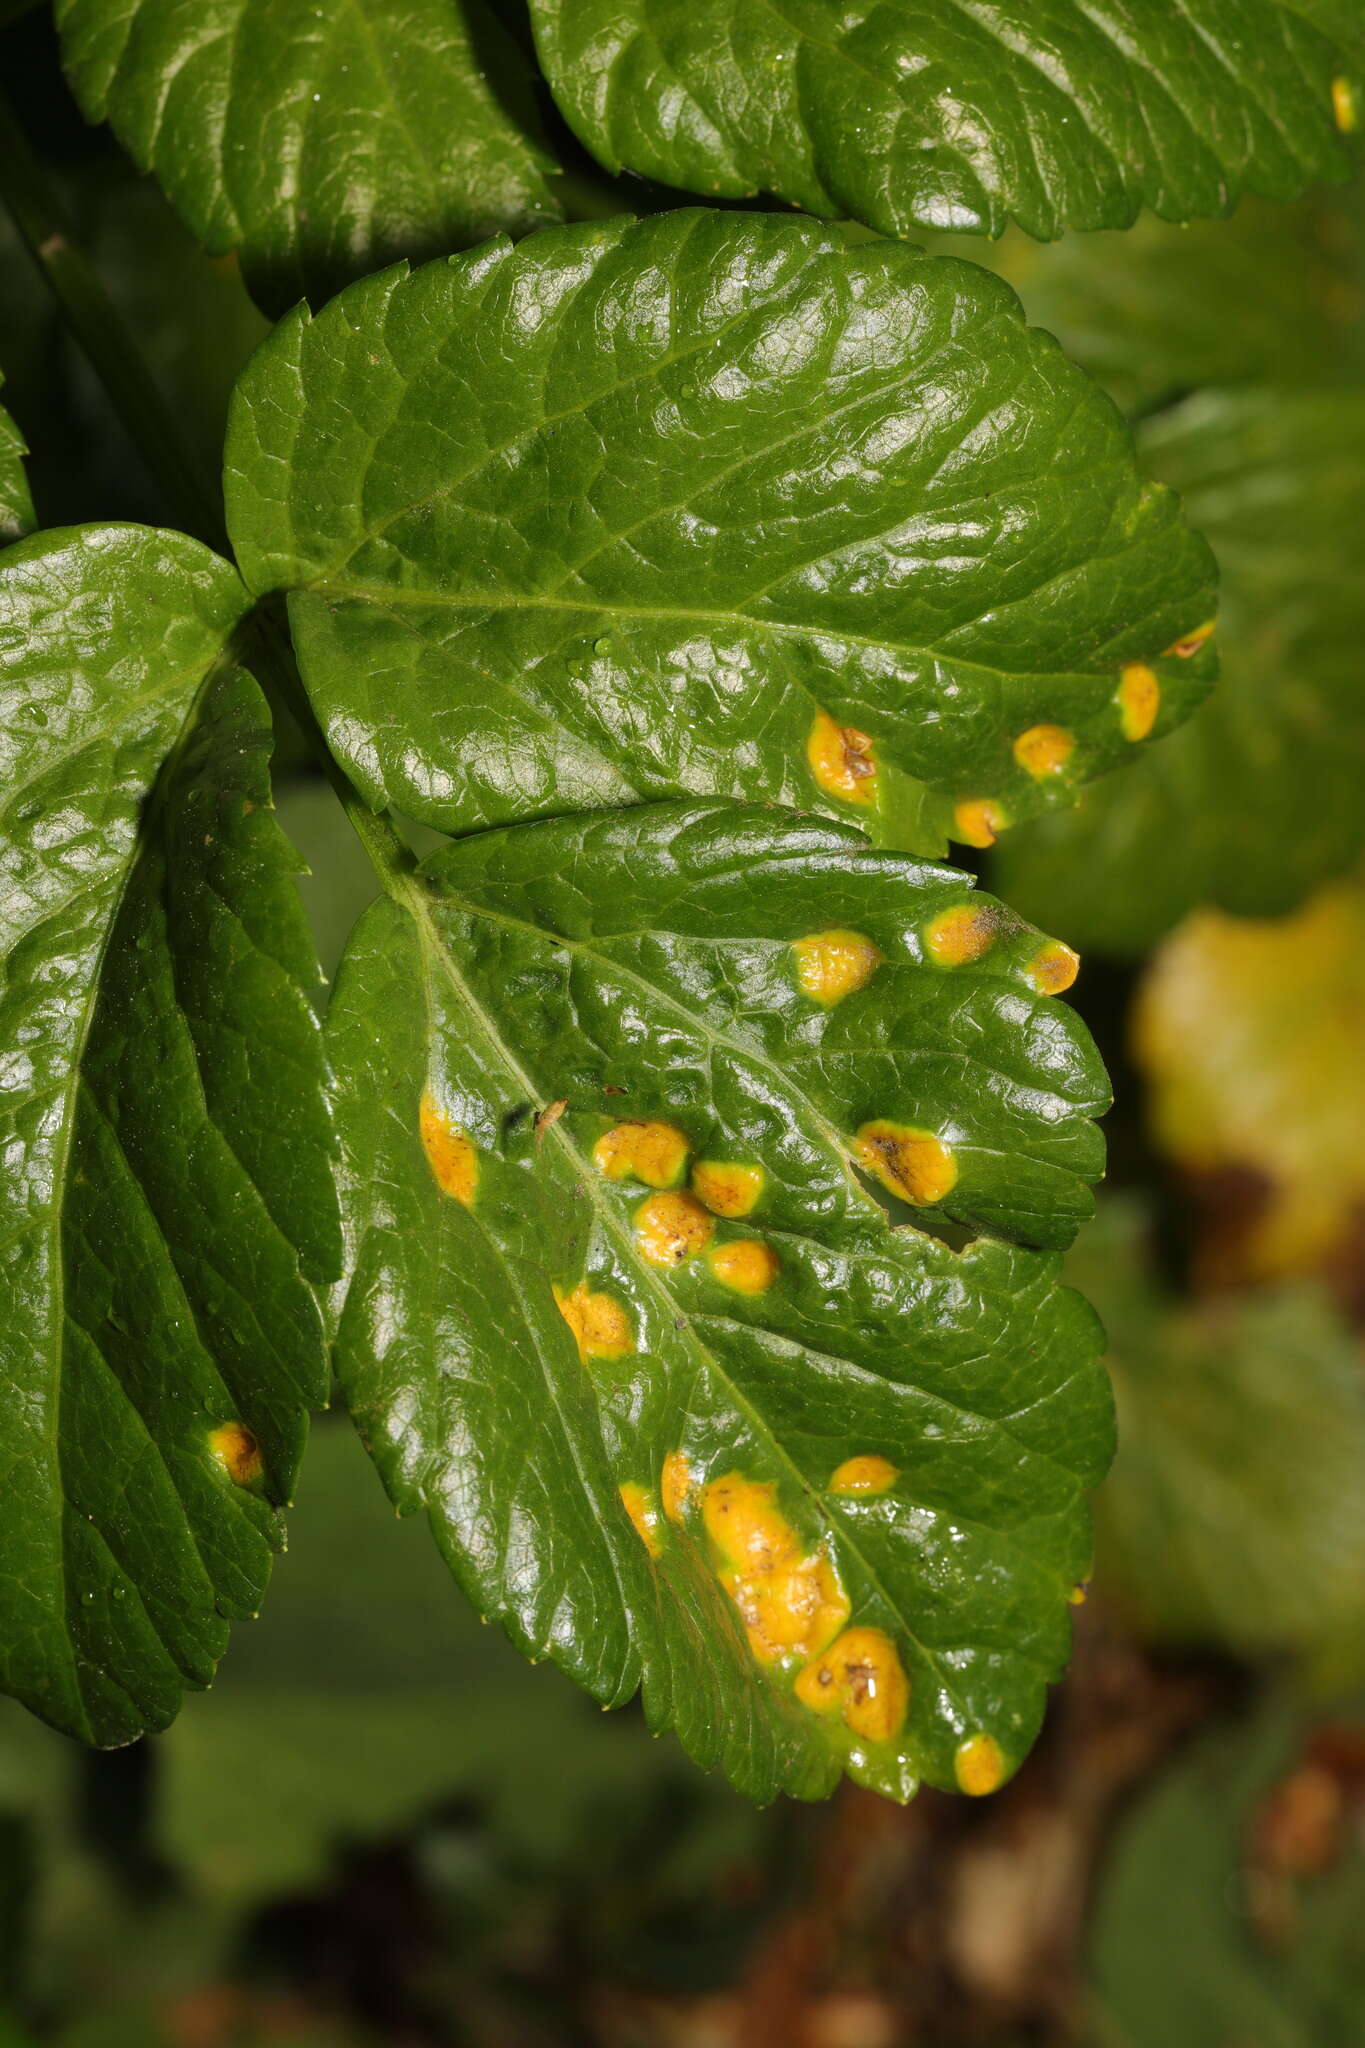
(159, 1344)
(320, 142)
(709, 503)
(577, 1408)
(961, 116)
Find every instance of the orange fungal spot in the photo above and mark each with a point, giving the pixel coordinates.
(791, 1604)
(450, 1154)
(636, 1150)
(841, 760)
(979, 1765)
(860, 1677)
(866, 1474)
(1077, 1594)
(746, 1265)
(915, 1165)
(601, 1327)
(831, 965)
(1138, 699)
(237, 1451)
(644, 1515)
(669, 1228)
(724, 1189)
(977, 820)
(675, 1485)
(1053, 968)
(1044, 750)
(961, 934)
(1344, 105)
(1190, 643)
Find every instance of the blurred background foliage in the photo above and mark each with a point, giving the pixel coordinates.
(382, 1827)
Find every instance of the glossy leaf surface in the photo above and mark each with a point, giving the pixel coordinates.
(166, 1133)
(16, 506)
(624, 1322)
(955, 114)
(320, 138)
(709, 502)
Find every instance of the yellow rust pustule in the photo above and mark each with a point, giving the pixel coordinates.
(790, 1601)
(957, 936)
(675, 1485)
(832, 965)
(1044, 750)
(915, 1165)
(745, 1265)
(450, 1154)
(237, 1451)
(1053, 968)
(868, 1473)
(1139, 700)
(1344, 110)
(655, 1153)
(1190, 643)
(842, 760)
(644, 1514)
(671, 1228)
(979, 1765)
(601, 1328)
(861, 1678)
(726, 1189)
(978, 820)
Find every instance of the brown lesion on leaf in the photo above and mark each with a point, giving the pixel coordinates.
(238, 1452)
(790, 1600)
(860, 1677)
(725, 1188)
(962, 934)
(451, 1155)
(843, 760)
(914, 1164)
(1053, 968)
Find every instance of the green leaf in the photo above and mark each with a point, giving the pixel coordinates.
(1258, 799)
(607, 1085)
(320, 141)
(1233, 1517)
(166, 1130)
(707, 502)
(16, 506)
(956, 114)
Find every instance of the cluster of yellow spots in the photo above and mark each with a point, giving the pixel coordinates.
(791, 1603)
(860, 1677)
(675, 1485)
(832, 965)
(726, 1189)
(979, 1765)
(450, 1155)
(1044, 750)
(841, 760)
(635, 1150)
(745, 1265)
(644, 1515)
(671, 1228)
(237, 1451)
(1344, 110)
(601, 1328)
(1139, 700)
(915, 1165)
(867, 1473)
(1053, 968)
(977, 820)
(961, 934)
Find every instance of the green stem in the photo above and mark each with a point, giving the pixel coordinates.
(99, 327)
